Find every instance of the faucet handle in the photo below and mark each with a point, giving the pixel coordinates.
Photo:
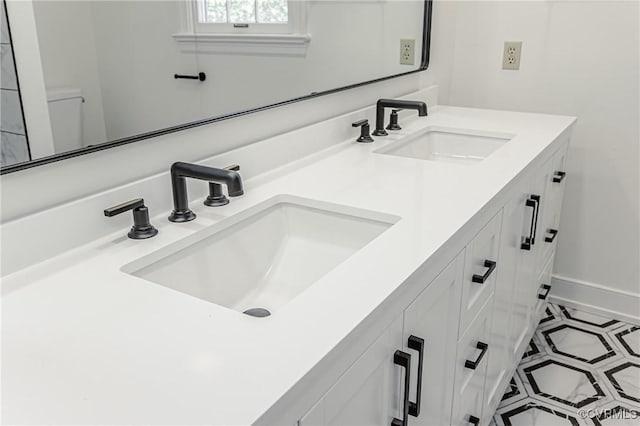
(216, 197)
(393, 120)
(121, 208)
(364, 131)
(141, 228)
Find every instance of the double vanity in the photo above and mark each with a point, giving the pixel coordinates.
(397, 282)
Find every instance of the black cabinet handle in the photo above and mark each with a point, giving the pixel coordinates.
(553, 232)
(559, 177)
(534, 202)
(546, 288)
(417, 344)
(535, 198)
(201, 76)
(474, 420)
(403, 359)
(480, 279)
(483, 350)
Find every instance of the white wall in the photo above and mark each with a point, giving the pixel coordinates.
(578, 58)
(137, 58)
(351, 41)
(68, 53)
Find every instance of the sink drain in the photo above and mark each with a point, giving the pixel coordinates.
(257, 312)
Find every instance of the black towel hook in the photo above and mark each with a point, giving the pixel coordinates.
(201, 76)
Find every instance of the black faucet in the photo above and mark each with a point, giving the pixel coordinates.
(180, 171)
(421, 107)
(141, 228)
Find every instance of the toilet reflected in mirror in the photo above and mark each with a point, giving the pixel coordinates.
(65, 115)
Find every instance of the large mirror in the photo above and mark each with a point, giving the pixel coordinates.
(112, 72)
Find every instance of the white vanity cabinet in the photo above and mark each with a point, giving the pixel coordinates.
(524, 272)
(463, 336)
(372, 390)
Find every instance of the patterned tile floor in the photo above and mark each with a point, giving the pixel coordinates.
(579, 369)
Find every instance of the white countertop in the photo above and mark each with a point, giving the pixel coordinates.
(84, 343)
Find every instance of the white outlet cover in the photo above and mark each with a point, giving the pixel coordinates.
(407, 51)
(511, 55)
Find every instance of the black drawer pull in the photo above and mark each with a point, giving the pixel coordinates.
(480, 279)
(417, 344)
(553, 232)
(546, 288)
(403, 359)
(559, 177)
(532, 201)
(201, 76)
(483, 350)
(535, 198)
(474, 420)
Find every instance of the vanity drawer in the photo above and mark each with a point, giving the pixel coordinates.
(471, 366)
(480, 267)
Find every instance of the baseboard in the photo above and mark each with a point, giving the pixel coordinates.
(596, 299)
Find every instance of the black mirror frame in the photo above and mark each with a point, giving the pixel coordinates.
(424, 64)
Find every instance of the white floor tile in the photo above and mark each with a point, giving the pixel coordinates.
(579, 369)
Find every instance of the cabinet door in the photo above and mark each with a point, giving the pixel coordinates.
(433, 317)
(520, 250)
(530, 257)
(481, 256)
(369, 392)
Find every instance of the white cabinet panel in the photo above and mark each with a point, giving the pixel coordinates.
(369, 392)
(481, 256)
(555, 191)
(433, 317)
(539, 187)
(529, 256)
(501, 337)
(471, 366)
(515, 214)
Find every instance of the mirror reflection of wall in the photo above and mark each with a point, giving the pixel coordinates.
(14, 147)
(108, 66)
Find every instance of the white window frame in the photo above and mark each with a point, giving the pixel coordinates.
(290, 39)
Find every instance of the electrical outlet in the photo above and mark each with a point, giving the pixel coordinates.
(407, 51)
(511, 55)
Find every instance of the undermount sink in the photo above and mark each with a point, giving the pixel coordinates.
(262, 258)
(446, 144)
